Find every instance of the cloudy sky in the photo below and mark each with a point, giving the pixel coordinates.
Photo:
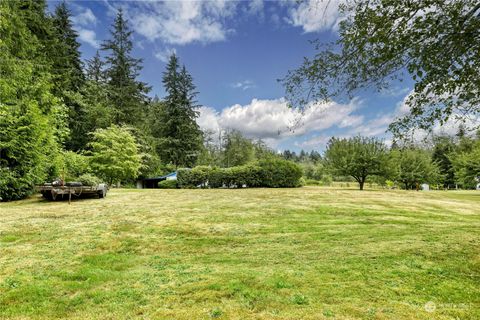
(236, 51)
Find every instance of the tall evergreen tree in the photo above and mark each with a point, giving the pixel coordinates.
(95, 69)
(126, 93)
(69, 78)
(180, 138)
(67, 64)
(31, 117)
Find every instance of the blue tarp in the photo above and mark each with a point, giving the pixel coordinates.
(172, 174)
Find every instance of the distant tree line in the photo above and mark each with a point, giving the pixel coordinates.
(446, 161)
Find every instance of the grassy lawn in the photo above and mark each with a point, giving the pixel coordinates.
(308, 253)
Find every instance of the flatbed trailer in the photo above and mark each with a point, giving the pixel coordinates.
(54, 192)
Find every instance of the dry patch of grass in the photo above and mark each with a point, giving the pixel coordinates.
(311, 253)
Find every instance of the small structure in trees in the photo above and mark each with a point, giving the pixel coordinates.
(152, 183)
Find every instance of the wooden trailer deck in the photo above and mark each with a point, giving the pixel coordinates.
(53, 192)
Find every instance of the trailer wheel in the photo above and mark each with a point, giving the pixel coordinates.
(47, 195)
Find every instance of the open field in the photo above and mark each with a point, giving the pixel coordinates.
(310, 253)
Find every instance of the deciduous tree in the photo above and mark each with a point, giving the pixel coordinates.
(411, 167)
(114, 154)
(358, 157)
(433, 42)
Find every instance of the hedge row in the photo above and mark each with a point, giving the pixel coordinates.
(266, 173)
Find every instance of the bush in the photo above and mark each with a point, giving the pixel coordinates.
(273, 173)
(277, 173)
(168, 184)
(326, 180)
(312, 182)
(192, 178)
(184, 178)
(199, 176)
(88, 180)
(74, 165)
(216, 178)
(302, 182)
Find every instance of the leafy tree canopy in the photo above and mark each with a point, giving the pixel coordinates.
(466, 166)
(358, 157)
(411, 167)
(32, 119)
(114, 154)
(435, 42)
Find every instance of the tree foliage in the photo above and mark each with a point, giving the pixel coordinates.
(443, 149)
(434, 42)
(32, 119)
(179, 136)
(412, 167)
(126, 93)
(466, 166)
(114, 154)
(358, 157)
(238, 150)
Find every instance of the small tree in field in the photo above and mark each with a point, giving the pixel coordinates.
(115, 156)
(358, 157)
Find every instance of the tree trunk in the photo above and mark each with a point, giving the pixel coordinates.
(361, 183)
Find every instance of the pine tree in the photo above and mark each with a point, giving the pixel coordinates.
(67, 64)
(180, 138)
(126, 93)
(68, 75)
(94, 70)
(99, 113)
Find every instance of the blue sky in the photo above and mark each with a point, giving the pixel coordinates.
(236, 51)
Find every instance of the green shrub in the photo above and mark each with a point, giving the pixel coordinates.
(326, 180)
(192, 178)
(74, 165)
(278, 173)
(216, 178)
(167, 184)
(273, 173)
(312, 182)
(88, 180)
(184, 178)
(199, 176)
(301, 182)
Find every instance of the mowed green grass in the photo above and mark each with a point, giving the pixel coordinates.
(307, 253)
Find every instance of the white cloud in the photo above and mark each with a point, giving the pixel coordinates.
(244, 85)
(85, 18)
(273, 121)
(315, 15)
(182, 22)
(208, 119)
(164, 54)
(83, 21)
(394, 91)
(89, 36)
